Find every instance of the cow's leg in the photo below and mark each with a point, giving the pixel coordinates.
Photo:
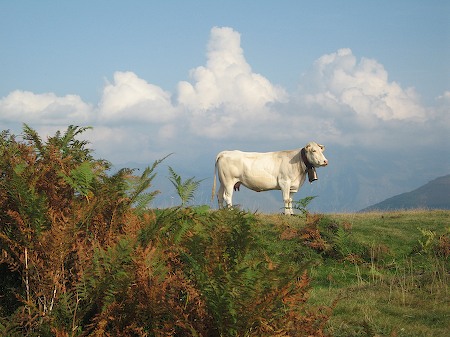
(228, 195)
(287, 200)
(288, 206)
(291, 195)
(220, 196)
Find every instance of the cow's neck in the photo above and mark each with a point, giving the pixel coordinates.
(305, 159)
(312, 176)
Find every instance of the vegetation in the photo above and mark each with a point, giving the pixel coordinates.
(185, 190)
(387, 273)
(82, 253)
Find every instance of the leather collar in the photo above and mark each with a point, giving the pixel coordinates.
(310, 169)
(305, 160)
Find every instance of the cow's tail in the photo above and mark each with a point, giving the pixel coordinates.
(213, 193)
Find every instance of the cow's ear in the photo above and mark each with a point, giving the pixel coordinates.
(308, 147)
(322, 147)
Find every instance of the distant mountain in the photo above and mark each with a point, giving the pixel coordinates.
(434, 195)
(342, 187)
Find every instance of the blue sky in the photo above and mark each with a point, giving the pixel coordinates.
(71, 46)
(196, 77)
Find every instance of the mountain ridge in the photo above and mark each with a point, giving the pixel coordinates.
(433, 195)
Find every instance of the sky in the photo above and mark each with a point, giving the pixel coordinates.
(368, 79)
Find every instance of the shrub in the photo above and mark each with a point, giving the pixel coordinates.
(83, 255)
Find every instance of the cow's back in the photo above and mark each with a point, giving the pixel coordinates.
(230, 163)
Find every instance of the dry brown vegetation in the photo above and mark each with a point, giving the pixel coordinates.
(82, 255)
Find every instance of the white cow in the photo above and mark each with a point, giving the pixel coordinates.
(282, 170)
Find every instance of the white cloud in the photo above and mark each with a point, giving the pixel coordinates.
(348, 104)
(441, 116)
(130, 98)
(126, 143)
(337, 81)
(167, 132)
(341, 100)
(47, 108)
(226, 92)
(443, 107)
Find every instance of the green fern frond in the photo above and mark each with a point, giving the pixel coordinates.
(138, 186)
(32, 206)
(302, 204)
(81, 178)
(32, 136)
(110, 274)
(185, 190)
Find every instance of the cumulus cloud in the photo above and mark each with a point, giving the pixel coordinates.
(226, 91)
(341, 100)
(337, 82)
(47, 108)
(347, 103)
(441, 113)
(132, 113)
(130, 98)
(443, 106)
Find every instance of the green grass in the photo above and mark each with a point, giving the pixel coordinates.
(81, 254)
(398, 230)
(393, 280)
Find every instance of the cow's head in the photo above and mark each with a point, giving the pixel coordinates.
(314, 154)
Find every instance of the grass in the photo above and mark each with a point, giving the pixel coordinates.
(392, 276)
(398, 230)
(81, 254)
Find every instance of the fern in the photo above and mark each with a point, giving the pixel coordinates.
(67, 313)
(32, 136)
(67, 144)
(347, 247)
(185, 190)
(302, 204)
(230, 275)
(113, 267)
(109, 276)
(81, 178)
(31, 205)
(428, 241)
(138, 186)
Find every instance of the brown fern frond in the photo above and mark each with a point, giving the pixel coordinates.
(8, 259)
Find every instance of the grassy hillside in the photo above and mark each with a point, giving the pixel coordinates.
(389, 272)
(81, 254)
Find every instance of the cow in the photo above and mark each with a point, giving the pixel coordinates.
(280, 170)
